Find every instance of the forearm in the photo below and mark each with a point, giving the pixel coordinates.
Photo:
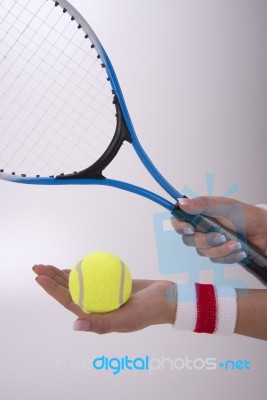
(252, 313)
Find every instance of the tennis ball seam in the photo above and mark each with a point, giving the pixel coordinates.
(81, 285)
(121, 291)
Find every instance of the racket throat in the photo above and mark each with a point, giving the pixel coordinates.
(95, 171)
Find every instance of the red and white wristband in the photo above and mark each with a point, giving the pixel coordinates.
(206, 308)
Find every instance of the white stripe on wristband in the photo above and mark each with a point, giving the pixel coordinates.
(206, 308)
(227, 309)
(186, 313)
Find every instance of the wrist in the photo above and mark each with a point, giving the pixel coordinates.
(171, 304)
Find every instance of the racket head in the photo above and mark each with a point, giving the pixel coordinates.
(60, 106)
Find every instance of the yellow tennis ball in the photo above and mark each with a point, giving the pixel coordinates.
(100, 283)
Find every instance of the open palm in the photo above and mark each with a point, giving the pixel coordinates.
(152, 302)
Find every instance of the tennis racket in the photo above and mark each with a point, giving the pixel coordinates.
(63, 117)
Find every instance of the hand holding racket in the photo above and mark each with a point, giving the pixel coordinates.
(244, 219)
(63, 117)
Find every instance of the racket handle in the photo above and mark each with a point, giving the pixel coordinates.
(255, 262)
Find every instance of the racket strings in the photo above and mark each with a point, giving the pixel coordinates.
(26, 81)
(68, 117)
(76, 74)
(56, 103)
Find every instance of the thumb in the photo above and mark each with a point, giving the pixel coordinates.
(229, 212)
(120, 320)
(93, 323)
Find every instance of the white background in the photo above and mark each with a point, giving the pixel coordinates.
(194, 77)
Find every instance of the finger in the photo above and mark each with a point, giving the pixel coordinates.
(199, 205)
(231, 258)
(228, 212)
(41, 269)
(181, 227)
(225, 250)
(48, 270)
(189, 240)
(204, 240)
(122, 320)
(59, 293)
